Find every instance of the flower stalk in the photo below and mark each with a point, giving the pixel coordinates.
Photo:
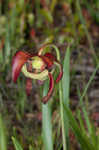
(61, 98)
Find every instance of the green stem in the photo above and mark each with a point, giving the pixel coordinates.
(46, 122)
(61, 99)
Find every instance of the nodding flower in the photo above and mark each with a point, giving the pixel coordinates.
(39, 66)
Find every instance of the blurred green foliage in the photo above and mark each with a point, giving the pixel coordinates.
(33, 23)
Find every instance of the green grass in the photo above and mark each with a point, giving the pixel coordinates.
(3, 135)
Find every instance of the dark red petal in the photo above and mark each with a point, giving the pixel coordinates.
(28, 86)
(47, 61)
(60, 73)
(51, 86)
(50, 56)
(17, 62)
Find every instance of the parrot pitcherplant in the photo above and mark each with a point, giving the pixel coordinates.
(39, 66)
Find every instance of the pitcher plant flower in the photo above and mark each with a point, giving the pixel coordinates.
(39, 66)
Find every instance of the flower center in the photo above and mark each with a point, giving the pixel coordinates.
(37, 63)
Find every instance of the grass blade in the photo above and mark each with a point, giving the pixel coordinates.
(3, 140)
(30, 147)
(7, 45)
(82, 138)
(81, 100)
(83, 22)
(16, 144)
(86, 117)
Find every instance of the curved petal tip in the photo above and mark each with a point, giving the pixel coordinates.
(60, 71)
(51, 86)
(17, 62)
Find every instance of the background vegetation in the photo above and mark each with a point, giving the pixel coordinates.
(70, 120)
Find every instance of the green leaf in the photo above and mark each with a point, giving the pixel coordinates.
(47, 15)
(3, 140)
(16, 144)
(30, 147)
(65, 86)
(53, 4)
(66, 77)
(83, 139)
(85, 113)
(7, 51)
(1, 57)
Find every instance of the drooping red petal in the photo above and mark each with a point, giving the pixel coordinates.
(51, 86)
(18, 61)
(60, 72)
(28, 86)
